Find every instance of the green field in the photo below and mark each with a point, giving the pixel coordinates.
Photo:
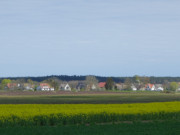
(111, 98)
(163, 128)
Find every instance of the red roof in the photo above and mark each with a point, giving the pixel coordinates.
(11, 85)
(149, 85)
(102, 84)
(44, 84)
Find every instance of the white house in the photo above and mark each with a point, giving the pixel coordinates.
(28, 86)
(65, 87)
(44, 87)
(133, 88)
(120, 86)
(150, 87)
(159, 87)
(93, 87)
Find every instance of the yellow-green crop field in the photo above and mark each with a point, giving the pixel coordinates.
(70, 114)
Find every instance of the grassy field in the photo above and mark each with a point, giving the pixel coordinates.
(162, 128)
(86, 98)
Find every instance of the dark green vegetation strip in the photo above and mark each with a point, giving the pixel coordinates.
(90, 99)
(163, 128)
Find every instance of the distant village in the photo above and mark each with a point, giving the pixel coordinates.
(91, 83)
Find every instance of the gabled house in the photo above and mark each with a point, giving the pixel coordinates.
(150, 87)
(13, 86)
(81, 86)
(65, 87)
(141, 87)
(45, 87)
(178, 89)
(159, 87)
(119, 86)
(91, 87)
(102, 85)
(27, 86)
(133, 88)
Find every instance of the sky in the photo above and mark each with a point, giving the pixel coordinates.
(89, 37)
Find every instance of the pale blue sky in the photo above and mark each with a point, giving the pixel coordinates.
(81, 37)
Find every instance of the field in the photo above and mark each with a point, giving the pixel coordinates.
(85, 97)
(89, 113)
(162, 128)
(73, 114)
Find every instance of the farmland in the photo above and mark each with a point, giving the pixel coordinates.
(85, 97)
(162, 128)
(72, 114)
(89, 113)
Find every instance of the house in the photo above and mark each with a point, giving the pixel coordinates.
(150, 87)
(28, 86)
(13, 86)
(141, 88)
(65, 87)
(81, 86)
(159, 87)
(133, 88)
(45, 87)
(120, 86)
(91, 87)
(102, 85)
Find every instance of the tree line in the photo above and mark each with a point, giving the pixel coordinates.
(152, 79)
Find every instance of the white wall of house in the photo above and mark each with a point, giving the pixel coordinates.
(65, 87)
(151, 89)
(29, 88)
(93, 87)
(134, 88)
(45, 88)
(159, 89)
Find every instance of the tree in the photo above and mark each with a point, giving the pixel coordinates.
(128, 84)
(4, 83)
(54, 82)
(109, 84)
(90, 81)
(21, 80)
(137, 79)
(73, 84)
(30, 81)
(166, 85)
(145, 80)
(173, 86)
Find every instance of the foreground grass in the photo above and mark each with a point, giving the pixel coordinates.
(72, 114)
(160, 128)
(115, 98)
